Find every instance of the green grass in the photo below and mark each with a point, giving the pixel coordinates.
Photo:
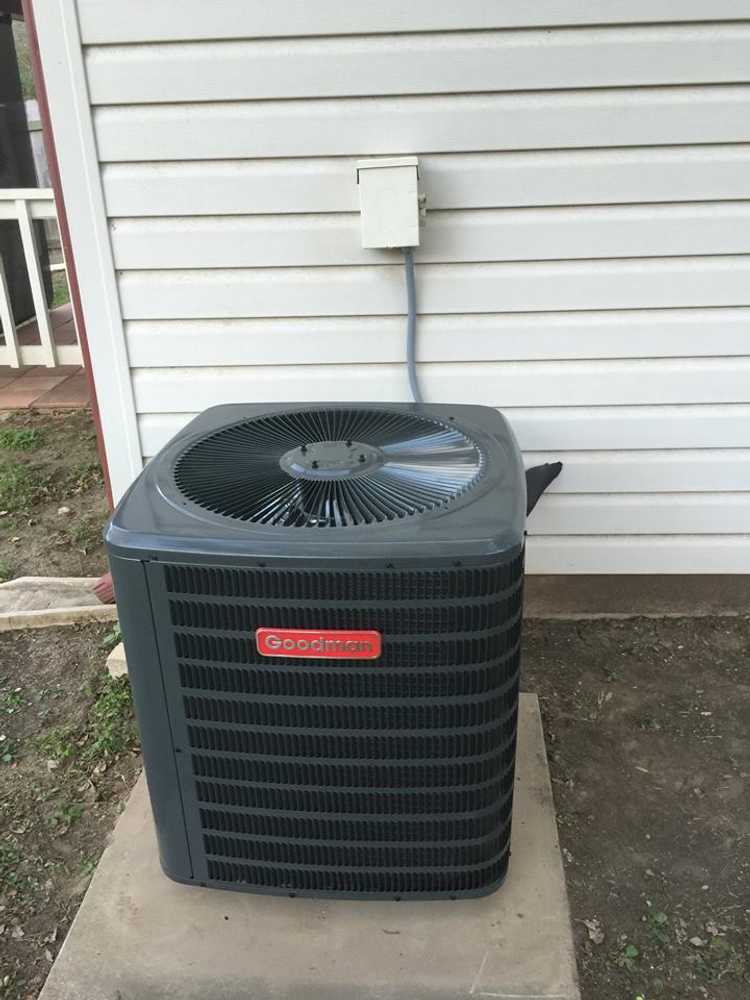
(88, 866)
(20, 38)
(83, 476)
(112, 637)
(19, 488)
(110, 725)
(628, 956)
(6, 573)
(21, 438)
(68, 813)
(58, 744)
(85, 533)
(10, 859)
(60, 290)
(11, 700)
(107, 730)
(658, 926)
(23, 484)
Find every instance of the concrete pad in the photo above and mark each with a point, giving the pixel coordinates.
(36, 593)
(117, 665)
(138, 936)
(40, 601)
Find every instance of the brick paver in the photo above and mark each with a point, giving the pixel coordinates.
(63, 388)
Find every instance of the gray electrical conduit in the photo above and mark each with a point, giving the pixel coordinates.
(411, 325)
(540, 476)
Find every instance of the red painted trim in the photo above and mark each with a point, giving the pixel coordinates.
(62, 218)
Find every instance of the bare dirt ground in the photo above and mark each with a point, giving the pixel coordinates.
(52, 505)
(647, 729)
(68, 757)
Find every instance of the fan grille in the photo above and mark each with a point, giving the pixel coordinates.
(361, 778)
(331, 468)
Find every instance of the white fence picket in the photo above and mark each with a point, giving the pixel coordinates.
(36, 280)
(25, 206)
(7, 322)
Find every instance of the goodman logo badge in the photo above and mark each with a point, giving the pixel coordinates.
(318, 644)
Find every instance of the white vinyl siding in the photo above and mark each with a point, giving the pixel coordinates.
(457, 180)
(107, 22)
(447, 237)
(377, 66)
(371, 126)
(462, 289)
(585, 259)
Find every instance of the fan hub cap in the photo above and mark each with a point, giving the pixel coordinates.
(331, 460)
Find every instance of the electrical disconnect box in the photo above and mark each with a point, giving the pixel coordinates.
(389, 202)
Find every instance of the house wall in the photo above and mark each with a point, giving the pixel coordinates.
(584, 262)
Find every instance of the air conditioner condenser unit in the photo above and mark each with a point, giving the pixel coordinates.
(321, 609)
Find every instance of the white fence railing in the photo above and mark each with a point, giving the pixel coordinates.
(26, 205)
